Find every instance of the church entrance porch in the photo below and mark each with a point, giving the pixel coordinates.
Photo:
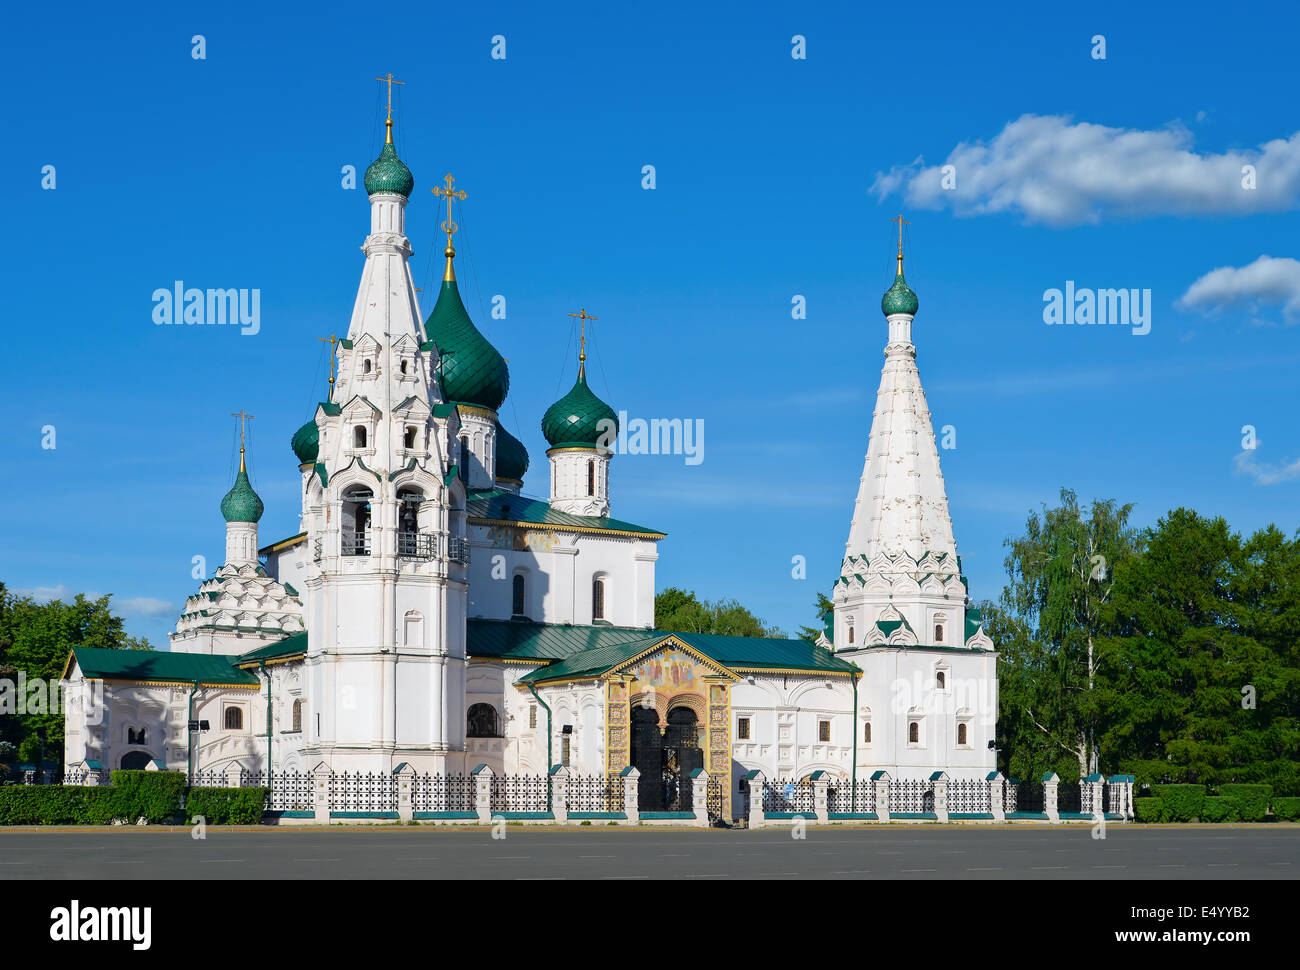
(666, 754)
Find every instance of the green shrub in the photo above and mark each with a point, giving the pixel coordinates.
(1254, 799)
(1221, 808)
(156, 795)
(225, 806)
(1286, 809)
(1149, 809)
(1182, 803)
(58, 805)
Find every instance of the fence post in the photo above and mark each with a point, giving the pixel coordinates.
(1129, 782)
(820, 783)
(881, 781)
(405, 802)
(483, 793)
(939, 787)
(700, 796)
(1050, 781)
(321, 780)
(1094, 783)
(631, 778)
(754, 792)
(997, 796)
(234, 775)
(559, 782)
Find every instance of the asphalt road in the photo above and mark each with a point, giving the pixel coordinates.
(896, 852)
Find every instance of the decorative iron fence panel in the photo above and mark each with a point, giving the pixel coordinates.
(787, 795)
(443, 793)
(519, 793)
(363, 791)
(77, 776)
(1028, 797)
(715, 797)
(1069, 798)
(1086, 798)
(595, 793)
(209, 778)
(1108, 799)
(969, 795)
(289, 791)
(842, 796)
(911, 795)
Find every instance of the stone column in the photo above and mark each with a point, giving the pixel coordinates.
(320, 793)
(881, 781)
(560, 794)
(939, 785)
(820, 782)
(483, 793)
(1094, 783)
(700, 796)
(405, 802)
(1050, 781)
(997, 796)
(631, 794)
(754, 792)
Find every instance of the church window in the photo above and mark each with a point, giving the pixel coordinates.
(866, 732)
(850, 634)
(297, 716)
(359, 437)
(598, 599)
(961, 734)
(135, 760)
(408, 440)
(742, 729)
(135, 736)
(464, 458)
(517, 596)
(823, 730)
(356, 521)
(940, 680)
(532, 716)
(591, 478)
(482, 722)
(914, 732)
(938, 633)
(566, 750)
(365, 366)
(403, 367)
(234, 719)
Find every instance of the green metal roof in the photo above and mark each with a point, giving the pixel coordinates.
(472, 371)
(306, 443)
(241, 503)
(512, 456)
(580, 419)
(505, 506)
(290, 646)
(151, 665)
(899, 298)
(388, 173)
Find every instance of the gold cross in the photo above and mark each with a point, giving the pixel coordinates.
(450, 192)
(331, 340)
(244, 418)
(584, 317)
(389, 123)
(901, 223)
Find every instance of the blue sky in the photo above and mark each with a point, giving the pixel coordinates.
(774, 177)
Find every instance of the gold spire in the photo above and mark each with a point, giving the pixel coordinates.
(449, 227)
(582, 338)
(331, 340)
(243, 419)
(901, 223)
(388, 78)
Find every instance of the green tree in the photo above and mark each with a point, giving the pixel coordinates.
(1050, 614)
(684, 612)
(822, 606)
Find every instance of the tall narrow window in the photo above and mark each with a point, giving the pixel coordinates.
(297, 715)
(365, 366)
(358, 437)
(850, 634)
(940, 680)
(408, 440)
(598, 599)
(403, 367)
(914, 732)
(481, 721)
(961, 733)
(742, 729)
(517, 597)
(532, 715)
(591, 478)
(823, 730)
(356, 521)
(234, 719)
(866, 733)
(464, 459)
(565, 751)
(938, 633)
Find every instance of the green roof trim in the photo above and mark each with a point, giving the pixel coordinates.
(498, 505)
(330, 408)
(450, 477)
(160, 666)
(322, 474)
(444, 410)
(291, 646)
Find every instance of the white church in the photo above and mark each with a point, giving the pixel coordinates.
(431, 613)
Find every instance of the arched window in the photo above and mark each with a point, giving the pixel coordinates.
(356, 521)
(850, 634)
(482, 722)
(866, 732)
(297, 716)
(938, 633)
(517, 596)
(365, 366)
(135, 736)
(135, 760)
(403, 367)
(408, 440)
(464, 458)
(961, 733)
(940, 680)
(914, 732)
(591, 478)
(358, 437)
(234, 719)
(598, 599)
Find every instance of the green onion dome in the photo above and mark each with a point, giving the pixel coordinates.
(306, 443)
(241, 503)
(899, 298)
(577, 420)
(388, 173)
(472, 370)
(512, 456)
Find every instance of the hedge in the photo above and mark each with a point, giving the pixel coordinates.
(58, 805)
(1221, 808)
(1286, 809)
(1147, 809)
(225, 806)
(1182, 803)
(1254, 799)
(155, 795)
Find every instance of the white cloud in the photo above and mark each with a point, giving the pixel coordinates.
(1267, 281)
(1059, 173)
(1265, 474)
(45, 594)
(145, 606)
(136, 606)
